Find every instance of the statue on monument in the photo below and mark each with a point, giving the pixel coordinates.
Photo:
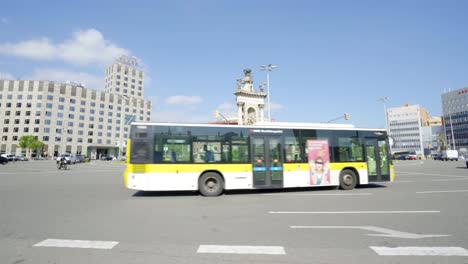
(247, 81)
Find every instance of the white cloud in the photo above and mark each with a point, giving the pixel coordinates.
(58, 75)
(176, 116)
(227, 109)
(84, 48)
(276, 106)
(7, 76)
(183, 100)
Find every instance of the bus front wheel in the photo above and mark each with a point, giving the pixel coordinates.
(211, 184)
(348, 180)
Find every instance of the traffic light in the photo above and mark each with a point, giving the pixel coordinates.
(346, 116)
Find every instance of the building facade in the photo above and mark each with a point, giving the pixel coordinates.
(455, 118)
(250, 104)
(124, 78)
(404, 126)
(67, 117)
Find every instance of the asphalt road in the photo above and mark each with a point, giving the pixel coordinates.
(89, 203)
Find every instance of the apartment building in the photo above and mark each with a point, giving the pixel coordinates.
(69, 117)
(455, 119)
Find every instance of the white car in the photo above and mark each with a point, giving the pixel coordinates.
(70, 158)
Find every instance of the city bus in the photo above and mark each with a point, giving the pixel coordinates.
(212, 158)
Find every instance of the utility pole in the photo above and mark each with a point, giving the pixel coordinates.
(268, 69)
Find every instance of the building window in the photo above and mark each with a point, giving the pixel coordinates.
(70, 124)
(99, 141)
(83, 102)
(18, 113)
(6, 121)
(101, 112)
(26, 121)
(91, 126)
(18, 104)
(92, 111)
(82, 117)
(45, 138)
(15, 138)
(28, 105)
(91, 118)
(90, 140)
(10, 97)
(81, 125)
(99, 134)
(4, 138)
(72, 101)
(72, 108)
(5, 129)
(80, 132)
(17, 121)
(38, 105)
(80, 140)
(90, 133)
(61, 107)
(71, 116)
(47, 130)
(7, 113)
(36, 129)
(109, 120)
(26, 129)
(58, 139)
(61, 99)
(49, 106)
(100, 126)
(29, 96)
(60, 115)
(93, 104)
(19, 96)
(39, 97)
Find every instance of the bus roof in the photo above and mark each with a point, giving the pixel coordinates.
(277, 125)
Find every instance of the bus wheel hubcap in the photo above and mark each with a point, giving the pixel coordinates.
(211, 184)
(348, 179)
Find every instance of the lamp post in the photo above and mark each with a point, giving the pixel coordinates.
(451, 130)
(383, 100)
(268, 69)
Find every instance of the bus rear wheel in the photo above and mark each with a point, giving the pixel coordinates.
(211, 184)
(348, 180)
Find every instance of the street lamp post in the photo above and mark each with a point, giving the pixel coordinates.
(268, 69)
(451, 130)
(383, 100)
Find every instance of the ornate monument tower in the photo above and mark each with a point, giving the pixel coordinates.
(250, 104)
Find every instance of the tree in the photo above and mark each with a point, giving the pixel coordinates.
(29, 143)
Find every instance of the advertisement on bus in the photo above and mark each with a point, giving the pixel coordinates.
(319, 162)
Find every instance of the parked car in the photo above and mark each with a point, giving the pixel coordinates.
(80, 158)
(11, 157)
(107, 157)
(3, 160)
(450, 155)
(70, 158)
(22, 157)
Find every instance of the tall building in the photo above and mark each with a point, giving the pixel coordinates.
(124, 78)
(404, 126)
(68, 117)
(455, 111)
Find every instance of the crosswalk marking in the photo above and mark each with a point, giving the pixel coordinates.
(77, 243)
(223, 249)
(421, 251)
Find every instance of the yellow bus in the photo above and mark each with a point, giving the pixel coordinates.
(211, 158)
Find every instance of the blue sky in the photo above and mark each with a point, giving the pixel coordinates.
(332, 56)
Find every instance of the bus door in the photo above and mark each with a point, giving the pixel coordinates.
(377, 160)
(267, 161)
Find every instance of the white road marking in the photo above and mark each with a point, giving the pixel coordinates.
(221, 249)
(77, 243)
(318, 194)
(386, 232)
(421, 251)
(413, 164)
(400, 181)
(450, 180)
(451, 191)
(430, 174)
(353, 212)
